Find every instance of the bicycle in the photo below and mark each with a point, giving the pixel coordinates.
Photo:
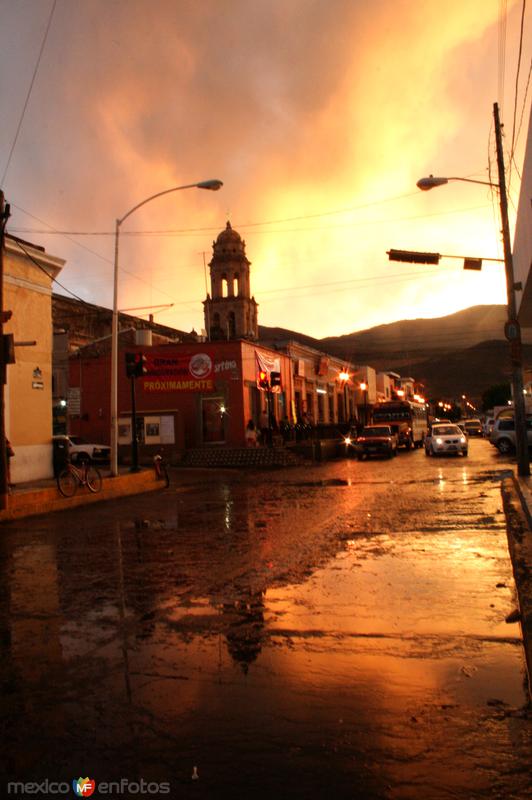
(161, 470)
(72, 476)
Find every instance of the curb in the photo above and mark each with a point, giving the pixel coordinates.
(31, 502)
(519, 533)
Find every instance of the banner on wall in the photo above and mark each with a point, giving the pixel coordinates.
(270, 365)
(178, 373)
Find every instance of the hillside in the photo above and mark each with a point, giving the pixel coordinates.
(462, 353)
(413, 338)
(469, 371)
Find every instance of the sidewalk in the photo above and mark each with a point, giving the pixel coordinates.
(517, 499)
(42, 497)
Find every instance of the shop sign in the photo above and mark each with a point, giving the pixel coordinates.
(74, 401)
(227, 368)
(178, 373)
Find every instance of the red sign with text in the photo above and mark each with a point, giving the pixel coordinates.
(178, 373)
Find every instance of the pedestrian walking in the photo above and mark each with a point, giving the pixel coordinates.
(251, 434)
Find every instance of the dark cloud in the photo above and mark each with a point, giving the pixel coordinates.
(300, 106)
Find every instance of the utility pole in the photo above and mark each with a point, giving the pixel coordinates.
(4, 216)
(513, 329)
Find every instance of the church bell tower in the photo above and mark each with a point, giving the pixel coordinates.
(230, 311)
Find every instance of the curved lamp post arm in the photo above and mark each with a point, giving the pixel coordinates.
(212, 185)
(431, 182)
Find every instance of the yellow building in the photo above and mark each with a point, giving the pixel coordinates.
(28, 274)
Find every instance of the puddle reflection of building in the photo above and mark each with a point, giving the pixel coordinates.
(31, 644)
(243, 625)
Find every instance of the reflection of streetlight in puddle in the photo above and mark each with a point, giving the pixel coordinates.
(227, 517)
(228, 510)
(465, 479)
(441, 481)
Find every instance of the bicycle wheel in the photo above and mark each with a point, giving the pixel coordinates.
(67, 483)
(94, 479)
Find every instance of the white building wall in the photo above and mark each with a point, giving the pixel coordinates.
(522, 246)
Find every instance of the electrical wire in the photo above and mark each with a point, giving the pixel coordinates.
(93, 252)
(524, 103)
(45, 37)
(518, 69)
(516, 91)
(501, 56)
(242, 226)
(313, 229)
(54, 280)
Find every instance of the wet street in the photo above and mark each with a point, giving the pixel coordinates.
(336, 629)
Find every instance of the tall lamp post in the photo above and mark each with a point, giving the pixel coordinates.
(364, 387)
(213, 186)
(512, 328)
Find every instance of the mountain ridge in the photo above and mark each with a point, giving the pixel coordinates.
(460, 353)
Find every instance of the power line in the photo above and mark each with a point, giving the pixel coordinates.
(29, 91)
(524, 102)
(501, 51)
(242, 226)
(90, 250)
(516, 93)
(185, 231)
(54, 280)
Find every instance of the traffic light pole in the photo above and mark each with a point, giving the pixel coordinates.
(269, 405)
(134, 435)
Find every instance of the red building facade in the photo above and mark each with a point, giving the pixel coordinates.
(192, 395)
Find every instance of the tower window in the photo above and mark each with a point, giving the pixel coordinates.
(236, 284)
(225, 286)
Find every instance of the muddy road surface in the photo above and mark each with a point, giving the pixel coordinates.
(327, 630)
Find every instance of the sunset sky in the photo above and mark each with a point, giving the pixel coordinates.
(318, 115)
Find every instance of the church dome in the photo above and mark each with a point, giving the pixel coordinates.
(228, 236)
(229, 243)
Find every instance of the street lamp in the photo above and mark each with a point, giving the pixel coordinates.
(213, 186)
(344, 377)
(512, 328)
(431, 182)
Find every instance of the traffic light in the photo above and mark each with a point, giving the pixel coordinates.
(414, 258)
(275, 379)
(263, 379)
(136, 365)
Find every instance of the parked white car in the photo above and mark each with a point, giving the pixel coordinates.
(79, 449)
(445, 439)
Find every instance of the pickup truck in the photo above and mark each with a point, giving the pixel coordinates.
(376, 440)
